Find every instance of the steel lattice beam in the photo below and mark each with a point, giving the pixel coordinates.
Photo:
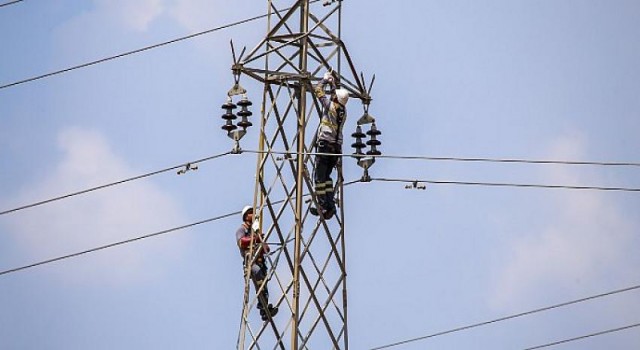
(307, 277)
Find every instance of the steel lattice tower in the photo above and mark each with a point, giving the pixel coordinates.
(307, 268)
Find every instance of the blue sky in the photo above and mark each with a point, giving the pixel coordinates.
(505, 79)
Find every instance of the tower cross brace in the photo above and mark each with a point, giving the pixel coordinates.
(306, 279)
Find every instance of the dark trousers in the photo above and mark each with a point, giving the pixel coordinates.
(322, 176)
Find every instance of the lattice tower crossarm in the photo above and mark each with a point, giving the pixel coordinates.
(307, 269)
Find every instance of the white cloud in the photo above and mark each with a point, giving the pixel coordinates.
(135, 14)
(96, 218)
(586, 242)
(87, 31)
(195, 15)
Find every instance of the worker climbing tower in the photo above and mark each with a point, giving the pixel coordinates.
(307, 277)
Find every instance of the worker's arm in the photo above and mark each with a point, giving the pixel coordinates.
(246, 241)
(319, 89)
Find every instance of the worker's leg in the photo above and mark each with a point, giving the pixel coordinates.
(259, 276)
(328, 185)
(322, 174)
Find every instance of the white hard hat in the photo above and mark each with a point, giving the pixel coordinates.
(343, 96)
(246, 210)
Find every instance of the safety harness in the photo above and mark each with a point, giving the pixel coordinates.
(247, 240)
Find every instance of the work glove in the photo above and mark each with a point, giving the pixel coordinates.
(328, 78)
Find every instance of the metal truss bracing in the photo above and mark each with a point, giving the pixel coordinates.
(307, 268)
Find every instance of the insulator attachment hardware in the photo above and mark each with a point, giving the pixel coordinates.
(373, 141)
(232, 129)
(228, 116)
(358, 144)
(244, 112)
(366, 159)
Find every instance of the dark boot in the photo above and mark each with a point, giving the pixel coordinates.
(322, 204)
(330, 206)
(268, 313)
(328, 214)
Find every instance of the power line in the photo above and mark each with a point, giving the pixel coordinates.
(48, 261)
(84, 65)
(499, 184)
(470, 159)
(584, 336)
(138, 50)
(286, 153)
(515, 160)
(112, 184)
(155, 234)
(10, 3)
(526, 313)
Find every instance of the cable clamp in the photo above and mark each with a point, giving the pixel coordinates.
(187, 167)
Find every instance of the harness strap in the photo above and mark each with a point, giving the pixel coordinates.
(328, 123)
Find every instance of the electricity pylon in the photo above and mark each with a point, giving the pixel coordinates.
(307, 268)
